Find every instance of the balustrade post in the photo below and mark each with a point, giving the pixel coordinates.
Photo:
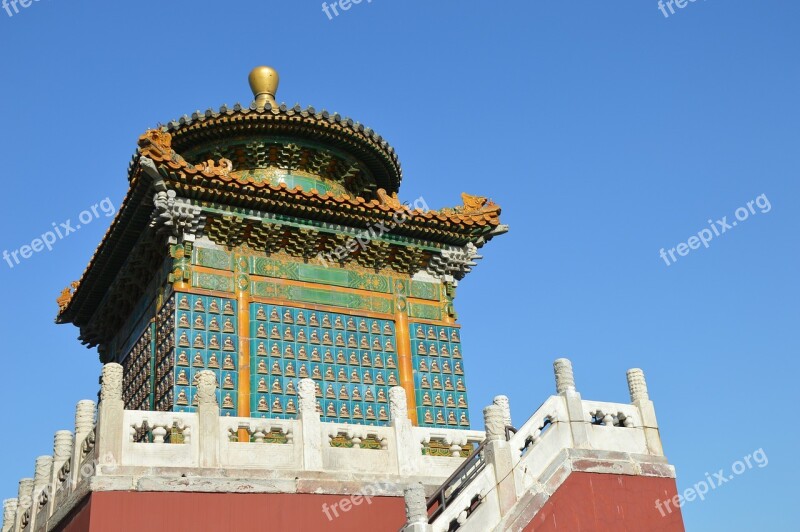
(416, 508)
(565, 387)
(498, 455)
(311, 437)
(641, 398)
(110, 416)
(406, 448)
(84, 425)
(208, 419)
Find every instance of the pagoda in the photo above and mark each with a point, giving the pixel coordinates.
(268, 244)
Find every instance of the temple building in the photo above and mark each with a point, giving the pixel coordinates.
(279, 340)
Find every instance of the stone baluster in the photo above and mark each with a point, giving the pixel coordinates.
(641, 398)
(502, 402)
(499, 456)
(62, 451)
(208, 419)
(109, 416)
(41, 484)
(9, 514)
(416, 508)
(25, 501)
(405, 447)
(311, 437)
(565, 387)
(84, 424)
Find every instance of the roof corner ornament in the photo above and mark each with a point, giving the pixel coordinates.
(264, 82)
(66, 296)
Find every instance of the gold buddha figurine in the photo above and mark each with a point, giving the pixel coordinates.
(287, 316)
(331, 410)
(195, 402)
(462, 403)
(329, 374)
(353, 359)
(344, 411)
(337, 323)
(369, 396)
(382, 415)
(434, 365)
(354, 376)
(301, 318)
(421, 349)
(227, 344)
(431, 334)
(432, 350)
(183, 303)
(276, 368)
(356, 394)
(364, 343)
(451, 418)
(381, 395)
(182, 398)
(183, 321)
(326, 338)
(326, 321)
(357, 412)
(439, 418)
(274, 333)
(290, 389)
(261, 315)
(367, 377)
(329, 393)
(426, 399)
(213, 363)
(448, 384)
(445, 366)
(379, 379)
(198, 305)
(375, 328)
(317, 390)
(340, 357)
(362, 325)
(289, 370)
(315, 373)
(213, 342)
(183, 339)
(213, 325)
(351, 324)
(262, 405)
(315, 355)
(376, 345)
(312, 320)
(392, 379)
(351, 341)
(365, 360)
(273, 315)
(302, 371)
(261, 331)
(227, 382)
(318, 407)
(290, 408)
(423, 382)
(274, 350)
(390, 362)
(277, 408)
(314, 337)
(262, 385)
(213, 306)
(442, 335)
(261, 349)
(420, 332)
(288, 335)
(288, 351)
(457, 369)
(454, 336)
(463, 420)
(262, 367)
(339, 340)
(343, 395)
(438, 400)
(387, 329)
(460, 385)
(182, 379)
(341, 376)
(444, 351)
(377, 362)
(450, 402)
(227, 326)
(199, 323)
(197, 362)
(423, 366)
(183, 360)
(428, 418)
(456, 352)
(389, 346)
(370, 412)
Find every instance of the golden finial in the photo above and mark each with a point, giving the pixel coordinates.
(264, 83)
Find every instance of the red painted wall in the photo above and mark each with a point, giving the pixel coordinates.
(233, 512)
(591, 502)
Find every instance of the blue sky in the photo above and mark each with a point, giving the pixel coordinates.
(605, 130)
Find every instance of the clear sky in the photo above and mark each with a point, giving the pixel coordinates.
(605, 130)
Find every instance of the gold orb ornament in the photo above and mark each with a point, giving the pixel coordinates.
(264, 82)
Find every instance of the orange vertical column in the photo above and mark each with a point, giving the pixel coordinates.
(243, 298)
(404, 362)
